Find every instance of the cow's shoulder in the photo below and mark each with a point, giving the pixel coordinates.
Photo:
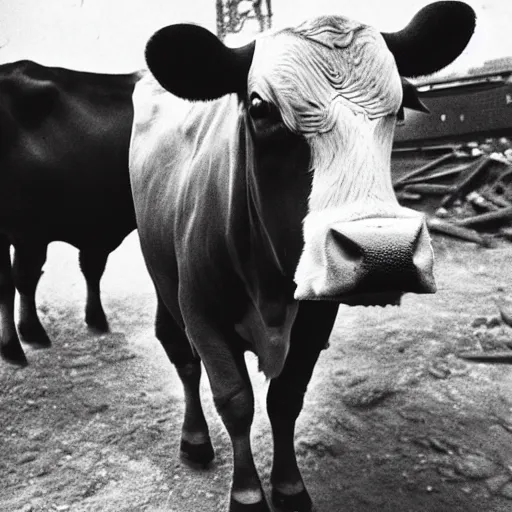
(165, 124)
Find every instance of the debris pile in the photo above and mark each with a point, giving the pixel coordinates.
(465, 190)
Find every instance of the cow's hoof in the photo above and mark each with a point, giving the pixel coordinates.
(13, 354)
(34, 334)
(236, 506)
(197, 455)
(300, 502)
(97, 322)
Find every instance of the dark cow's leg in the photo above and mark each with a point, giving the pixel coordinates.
(28, 263)
(10, 346)
(234, 400)
(285, 398)
(237, 412)
(92, 264)
(196, 446)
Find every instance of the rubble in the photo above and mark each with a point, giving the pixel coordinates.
(464, 189)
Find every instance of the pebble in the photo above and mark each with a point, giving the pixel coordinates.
(506, 491)
(448, 473)
(438, 371)
(475, 466)
(28, 457)
(493, 322)
(495, 483)
(479, 321)
(80, 362)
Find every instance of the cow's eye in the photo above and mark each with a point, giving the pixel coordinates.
(259, 108)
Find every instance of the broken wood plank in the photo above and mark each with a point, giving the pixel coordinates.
(424, 168)
(439, 175)
(438, 225)
(502, 215)
(407, 196)
(429, 189)
(501, 357)
(467, 182)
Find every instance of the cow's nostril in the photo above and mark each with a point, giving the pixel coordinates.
(353, 260)
(423, 261)
(348, 249)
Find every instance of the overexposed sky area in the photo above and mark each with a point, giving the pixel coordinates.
(110, 35)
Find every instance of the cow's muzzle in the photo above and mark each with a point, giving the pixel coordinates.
(366, 262)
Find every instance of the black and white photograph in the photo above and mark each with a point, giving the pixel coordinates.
(255, 256)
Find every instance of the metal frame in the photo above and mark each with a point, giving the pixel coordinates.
(233, 14)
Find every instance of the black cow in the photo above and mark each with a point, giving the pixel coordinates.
(262, 209)
(64, 138)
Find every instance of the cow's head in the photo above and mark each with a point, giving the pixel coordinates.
(321, 102)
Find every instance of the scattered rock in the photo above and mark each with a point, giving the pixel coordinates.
(495, 483)
(441, 446)
(449, 473)
(494, 321)
(117, 357)
(358, 379)
(368, 395)
(479, 321)
(80, 362)
(475, 466)
(506, 313)
(96, 408)
(506, 491)
(28, 457)
(439, 370)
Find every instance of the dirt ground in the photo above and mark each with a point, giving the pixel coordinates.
(393, 420)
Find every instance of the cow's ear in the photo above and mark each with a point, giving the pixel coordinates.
(434, 38)
(192, 63)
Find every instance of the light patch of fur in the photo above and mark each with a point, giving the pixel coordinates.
(318, 62)
(335, 81)
(351, 164)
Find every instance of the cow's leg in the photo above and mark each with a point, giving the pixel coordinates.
(10, 346)
(285, 398)
(28, 263)
(234, 400)
(92, 264)
(196, 446)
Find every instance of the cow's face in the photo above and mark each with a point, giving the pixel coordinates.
(334, 87)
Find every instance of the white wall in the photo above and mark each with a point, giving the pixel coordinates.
(110, 35)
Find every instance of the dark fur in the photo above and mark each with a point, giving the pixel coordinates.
(64, 138)
(434, 38)
(195, 65)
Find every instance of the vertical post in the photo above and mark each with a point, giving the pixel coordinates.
(233, 14)
(221, 31)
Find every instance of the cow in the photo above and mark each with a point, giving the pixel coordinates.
(64, 139)
(263, 199)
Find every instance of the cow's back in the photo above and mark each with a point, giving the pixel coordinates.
(64, 154)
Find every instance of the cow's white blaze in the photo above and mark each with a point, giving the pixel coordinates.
(334, 81)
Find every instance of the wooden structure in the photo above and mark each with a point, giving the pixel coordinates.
(473, 106)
